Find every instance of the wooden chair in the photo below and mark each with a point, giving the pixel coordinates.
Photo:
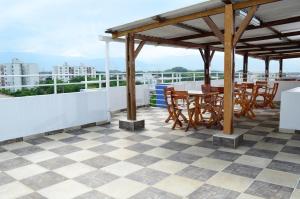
(182, 102)
(262, 87)
(270, 95)
(168, 101)
(246, 100)
(167, 95)
(215, 105)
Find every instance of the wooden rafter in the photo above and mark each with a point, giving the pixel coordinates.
(214, 28)
(286, 56)
(190, 28)
(176, 20)
(267, 45)
(295, 33)
(172, 42)
(277, 53)
(250, 27)
(180, 25)
(272, 49)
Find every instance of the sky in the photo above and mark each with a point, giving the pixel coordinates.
(71, 27)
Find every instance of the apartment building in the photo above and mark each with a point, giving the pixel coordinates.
(16, 74)
(66, 72)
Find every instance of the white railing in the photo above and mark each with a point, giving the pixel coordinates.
(87, 81)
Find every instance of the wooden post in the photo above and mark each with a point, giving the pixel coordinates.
(206, 65)
(245, 67)
(267, 63)
(280, 67)
(228, 69)
(130, 76)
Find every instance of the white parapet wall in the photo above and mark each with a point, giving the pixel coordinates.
(290, 110)
(118, 97)
(285, 85)
(26, 116)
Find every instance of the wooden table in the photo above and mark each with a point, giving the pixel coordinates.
(198, 95)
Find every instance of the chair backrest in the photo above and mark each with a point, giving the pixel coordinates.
(274, 90)
(206, 88)
(167, 95)
(179, 97)
(218, 89)
(261, 83)
(248, 85)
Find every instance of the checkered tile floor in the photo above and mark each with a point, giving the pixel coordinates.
(106, 162)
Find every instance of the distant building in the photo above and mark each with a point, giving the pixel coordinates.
(18, 73)
(66, 72)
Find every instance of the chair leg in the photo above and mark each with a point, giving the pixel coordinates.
(191, 121)
(184, 118)
(168, 119)
(177, 119)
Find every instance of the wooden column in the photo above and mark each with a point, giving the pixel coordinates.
(130, 77)
(267, 64)
(280, 67)
(207, 56)
(228, 69)
(245, 67)
(206, 65)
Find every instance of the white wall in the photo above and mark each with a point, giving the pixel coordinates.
(24, 116)
(118, 97)
(285, 85)
(290, 110)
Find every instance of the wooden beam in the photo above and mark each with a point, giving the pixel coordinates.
(172, 42)
(228, 69)
(244, 25)
(286, 56)
(227, 1)
(253, 51)
(214, 28)
(245, 67)
(269, 45)
(130, 77)
(176, 20)
(267, 37)
(277, 53)
(139, 48)
(280, 67)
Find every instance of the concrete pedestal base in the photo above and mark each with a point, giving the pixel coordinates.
(231, 141)
(132, 125)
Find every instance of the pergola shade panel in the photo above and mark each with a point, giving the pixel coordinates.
(198, 32)
(256, 28)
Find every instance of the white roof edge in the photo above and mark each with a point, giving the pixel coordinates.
(207, 4)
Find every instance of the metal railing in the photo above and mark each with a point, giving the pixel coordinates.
(57, 81)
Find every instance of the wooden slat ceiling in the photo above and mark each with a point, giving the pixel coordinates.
(277, 36)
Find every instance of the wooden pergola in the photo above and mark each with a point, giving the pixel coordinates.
(262, 29)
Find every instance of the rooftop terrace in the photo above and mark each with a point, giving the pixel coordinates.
(106, 162)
